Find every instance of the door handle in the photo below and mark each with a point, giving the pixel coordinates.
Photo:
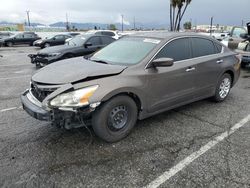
(190, 69)
(219, 61)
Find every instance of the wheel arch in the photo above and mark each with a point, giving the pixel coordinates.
(231, 73)
(138, 98)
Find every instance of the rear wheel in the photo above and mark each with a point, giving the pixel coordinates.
(223, 88)
(115, 119)
(46, 45)
(9, 44)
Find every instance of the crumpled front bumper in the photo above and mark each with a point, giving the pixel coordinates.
(67, 118)
(34, 108)
(41, 61)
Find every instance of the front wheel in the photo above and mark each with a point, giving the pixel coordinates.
(223, 88)
(115, 119)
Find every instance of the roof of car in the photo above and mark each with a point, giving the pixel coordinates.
(165, 34)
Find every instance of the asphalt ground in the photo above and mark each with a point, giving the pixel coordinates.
(35, 154)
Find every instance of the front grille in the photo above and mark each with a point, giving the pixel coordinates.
(40, 93)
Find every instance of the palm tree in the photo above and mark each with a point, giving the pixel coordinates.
(175, 19)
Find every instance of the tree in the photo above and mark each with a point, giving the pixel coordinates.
(177, 12)
(112, 27)
(187, 25)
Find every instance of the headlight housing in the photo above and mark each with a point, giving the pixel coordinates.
(77, 98)
(54, 54)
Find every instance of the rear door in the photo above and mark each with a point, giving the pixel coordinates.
(28, 38)
(175, 85)
(209, 64)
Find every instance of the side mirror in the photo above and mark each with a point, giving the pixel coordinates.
(163, 62)
(88, 44)
(244, 35)
(54, 38)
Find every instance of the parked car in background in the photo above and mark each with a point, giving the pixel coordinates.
(5, 34)
(20, 38)
(52, 41)
(80, 45)
(113, 34)
(237, 35)
(244, 51)
(73, 34)
(133, 78)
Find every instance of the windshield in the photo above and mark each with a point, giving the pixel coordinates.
(126, 51)
(77, 41)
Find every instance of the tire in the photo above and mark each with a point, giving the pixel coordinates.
(104, 119)
(9, 44)
(223, 88)
(46, 45)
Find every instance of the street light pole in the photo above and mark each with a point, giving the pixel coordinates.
(134, 23)
(28, 16)
(122, 22)
(211, 25)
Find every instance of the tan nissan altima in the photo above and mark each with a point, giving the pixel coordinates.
(133, 78)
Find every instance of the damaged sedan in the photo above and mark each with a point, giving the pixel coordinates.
(133, 78)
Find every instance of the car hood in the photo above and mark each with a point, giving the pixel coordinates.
(55, 49)
(73, 70)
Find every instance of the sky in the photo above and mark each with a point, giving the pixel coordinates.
(225, 12)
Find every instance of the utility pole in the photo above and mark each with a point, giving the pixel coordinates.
(134, 23)
(122, 21)
(28, 16)
(67, 22)
(211, 25)
(242, 23)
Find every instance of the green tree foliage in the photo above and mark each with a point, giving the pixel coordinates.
(187, 25)
(112, 27)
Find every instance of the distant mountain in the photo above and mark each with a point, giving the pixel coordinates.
(87, 26)
(13, 23)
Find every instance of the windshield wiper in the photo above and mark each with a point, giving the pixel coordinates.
(99, 61)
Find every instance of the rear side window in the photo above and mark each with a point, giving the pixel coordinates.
(111, 34)
(28, 35)
(218, 48)
(107, 40)
(178, 50)
(202, 47)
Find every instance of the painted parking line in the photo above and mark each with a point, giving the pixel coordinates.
(188, 160)
(15, 77)
(14, 65)
(10, 109)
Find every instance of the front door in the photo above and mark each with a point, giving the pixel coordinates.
(172, 86)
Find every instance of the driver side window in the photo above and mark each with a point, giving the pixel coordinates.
(95, 41)
(178, 49)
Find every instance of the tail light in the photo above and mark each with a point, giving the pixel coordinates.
(238, 64)
(238, 57)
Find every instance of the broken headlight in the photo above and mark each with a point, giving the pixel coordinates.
(75, 98)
